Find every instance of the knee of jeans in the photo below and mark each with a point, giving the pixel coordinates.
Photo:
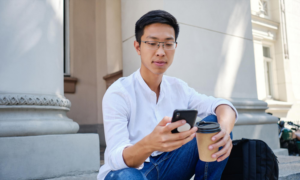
(192, 143)
(129, 173)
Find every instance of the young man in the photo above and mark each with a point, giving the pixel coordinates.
(138, 108)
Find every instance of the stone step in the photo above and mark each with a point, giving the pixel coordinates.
(289, 167)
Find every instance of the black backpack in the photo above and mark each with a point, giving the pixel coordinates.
(251, 160)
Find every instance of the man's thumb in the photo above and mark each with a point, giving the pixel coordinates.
(164, 121)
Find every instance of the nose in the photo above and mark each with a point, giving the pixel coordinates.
(160, 51)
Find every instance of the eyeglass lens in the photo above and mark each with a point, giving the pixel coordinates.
(169, 45)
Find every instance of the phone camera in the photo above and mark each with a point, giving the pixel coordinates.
(177, 115)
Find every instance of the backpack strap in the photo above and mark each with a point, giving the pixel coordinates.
(249, 155)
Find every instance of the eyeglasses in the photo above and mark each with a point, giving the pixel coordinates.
(154, 45)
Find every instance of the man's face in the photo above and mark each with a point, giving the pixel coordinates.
(156, 61)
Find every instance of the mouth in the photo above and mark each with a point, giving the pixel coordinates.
(159, 63)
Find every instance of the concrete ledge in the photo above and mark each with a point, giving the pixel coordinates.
(281, 152)
(49, 156)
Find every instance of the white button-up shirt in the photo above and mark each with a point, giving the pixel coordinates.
(131, 111)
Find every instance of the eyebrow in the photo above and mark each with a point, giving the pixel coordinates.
(152, 37)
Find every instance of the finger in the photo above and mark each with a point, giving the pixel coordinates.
(182, 135)
(225, 155)
(220, 143)
(164, 121)
(222, 151)
(191, 137)
(175, 125)
(218, 136)
(177, 144)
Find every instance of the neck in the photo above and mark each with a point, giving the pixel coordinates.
(152, 80)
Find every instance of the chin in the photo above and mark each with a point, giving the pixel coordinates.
(159, 71)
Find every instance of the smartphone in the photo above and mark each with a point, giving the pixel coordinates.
(189, 115)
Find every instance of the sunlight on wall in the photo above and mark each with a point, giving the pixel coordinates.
(233, 57)
(58, 6)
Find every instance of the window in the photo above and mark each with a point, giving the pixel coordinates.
(66, 39)
(268, 72)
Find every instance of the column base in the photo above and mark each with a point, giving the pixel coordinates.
(49, 156)
(254, 123)
(35, 114)
(35, 120)
(266, 132)
(94, 128)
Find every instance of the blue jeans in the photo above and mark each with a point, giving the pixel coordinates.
(180, 164)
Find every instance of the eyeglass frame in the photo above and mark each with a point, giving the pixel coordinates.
(162, 43)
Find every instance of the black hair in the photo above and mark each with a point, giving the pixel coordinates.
(155, 16)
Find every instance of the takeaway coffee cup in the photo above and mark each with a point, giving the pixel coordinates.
(206, 130)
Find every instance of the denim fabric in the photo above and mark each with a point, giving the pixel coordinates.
(180, 164)
(126, 174)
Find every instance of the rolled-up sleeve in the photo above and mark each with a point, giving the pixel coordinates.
(206, 105)
(116, 112)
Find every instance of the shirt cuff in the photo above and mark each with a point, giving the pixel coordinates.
(229, 104)
(118, 160)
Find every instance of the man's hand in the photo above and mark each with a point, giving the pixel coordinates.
(222, 139)
(162, 139)
(226, 118)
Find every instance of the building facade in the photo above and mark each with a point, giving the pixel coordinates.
(276, 41)
(58, 57)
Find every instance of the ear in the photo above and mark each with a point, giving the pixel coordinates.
(137, 47)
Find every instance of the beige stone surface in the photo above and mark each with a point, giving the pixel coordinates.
(96, 50)
(83, 62)
(113, 36)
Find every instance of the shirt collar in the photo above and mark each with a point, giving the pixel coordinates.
(146, 87)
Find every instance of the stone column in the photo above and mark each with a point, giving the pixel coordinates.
(38, 140)
(32, 98)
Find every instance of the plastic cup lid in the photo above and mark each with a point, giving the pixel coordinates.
(208, 127)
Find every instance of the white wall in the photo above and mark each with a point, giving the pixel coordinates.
(215, 47)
